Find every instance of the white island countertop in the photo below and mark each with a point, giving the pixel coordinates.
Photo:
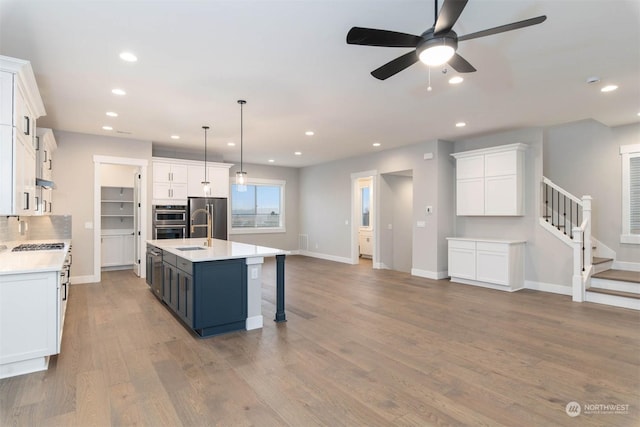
(32, 261)
(219, 250)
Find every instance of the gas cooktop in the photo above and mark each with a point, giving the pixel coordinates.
(38, 247)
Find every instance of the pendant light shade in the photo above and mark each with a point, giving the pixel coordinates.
(241, 175)
(206, 185)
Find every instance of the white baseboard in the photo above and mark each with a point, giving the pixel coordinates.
(254, 322)
(76, 280)
(343, 260)
(548, 287)
(626, 265)
(381, 266)
(435, 275)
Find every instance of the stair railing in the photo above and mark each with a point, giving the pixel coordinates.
(571, 216)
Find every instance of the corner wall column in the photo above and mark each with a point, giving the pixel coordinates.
(280, 314)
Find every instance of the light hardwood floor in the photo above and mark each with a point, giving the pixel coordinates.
(361, 347)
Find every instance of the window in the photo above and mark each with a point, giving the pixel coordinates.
(630, 194)
(259, 209)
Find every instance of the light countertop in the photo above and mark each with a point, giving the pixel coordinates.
(32, 261)
(220, 249)
(479, 239)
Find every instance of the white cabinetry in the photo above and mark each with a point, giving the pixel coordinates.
(117, 248)
(20, 106)
(45, 146)
(169, 183)
(218, 177)
(496, 264)
(490, 181)
(32, 300)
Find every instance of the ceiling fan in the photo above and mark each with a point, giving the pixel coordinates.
(434, 47)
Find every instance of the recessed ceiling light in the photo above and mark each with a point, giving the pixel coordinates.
(638, 114)
(112, 114)
(107, 128)
(456, 80)
(593, 79)
(271, 160)
(128, 56)
(231, 144)
(460, 124)
(298, 153)
(118, 92)
(175, 136)
(309, 133)
(376, 144)
(609, 88)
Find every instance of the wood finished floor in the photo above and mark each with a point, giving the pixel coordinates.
(361, 347)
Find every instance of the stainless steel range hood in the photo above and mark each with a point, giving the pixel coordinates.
(44, 183)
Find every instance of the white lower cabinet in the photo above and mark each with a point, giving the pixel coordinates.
(117, 249)
(32, 300)
(496, 264)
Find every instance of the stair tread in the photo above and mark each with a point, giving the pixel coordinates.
(599, 260)
(622, 275)
(615, 293)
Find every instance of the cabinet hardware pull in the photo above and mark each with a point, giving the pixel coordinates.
(38, 203)
(26, 198)
(45, 156)
(27, 124)
(50, 166)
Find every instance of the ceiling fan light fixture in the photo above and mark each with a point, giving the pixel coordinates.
(436, 55)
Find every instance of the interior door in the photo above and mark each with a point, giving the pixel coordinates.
(137, 216)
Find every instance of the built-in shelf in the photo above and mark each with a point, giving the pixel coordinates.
(117, 208)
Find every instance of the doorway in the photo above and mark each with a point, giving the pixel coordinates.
(395, 215)
(364, 220)
(119, 221)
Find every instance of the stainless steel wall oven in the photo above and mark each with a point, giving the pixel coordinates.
(169, 221)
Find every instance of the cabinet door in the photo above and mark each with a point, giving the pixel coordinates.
(462, 259)
(470, 196)
(29, 177)
(7, 187)
(492, 263)
(111, 251)
(185, 298)
(179, 174)
(127, 250)
(6, 98)
(161, 190)
(502, 196)
(470, 167)
(161, 172)
(219, 178)
(25, 179)
(505, 163)
(194, 184)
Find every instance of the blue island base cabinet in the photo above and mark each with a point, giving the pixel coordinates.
(209, 297)
(220, 296)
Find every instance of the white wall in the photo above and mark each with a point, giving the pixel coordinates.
(74, 177)
(584, 159)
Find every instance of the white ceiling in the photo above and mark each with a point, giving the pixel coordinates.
(290, 61)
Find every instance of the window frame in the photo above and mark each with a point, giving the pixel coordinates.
(627, 152)
(260, 230)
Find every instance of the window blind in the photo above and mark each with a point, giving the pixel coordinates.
(634, 195)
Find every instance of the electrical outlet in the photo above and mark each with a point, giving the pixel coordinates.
(254, 273)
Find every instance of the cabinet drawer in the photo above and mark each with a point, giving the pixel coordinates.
(169, 258)
(462, 244)
(185, 265)
(492, 247)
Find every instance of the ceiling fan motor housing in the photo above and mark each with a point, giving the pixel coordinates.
(450, 38)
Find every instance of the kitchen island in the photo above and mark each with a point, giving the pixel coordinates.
(213, 290)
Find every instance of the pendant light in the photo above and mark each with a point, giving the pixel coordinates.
(206, 185)
(241, 175)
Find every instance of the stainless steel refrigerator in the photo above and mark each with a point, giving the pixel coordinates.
(218, 208)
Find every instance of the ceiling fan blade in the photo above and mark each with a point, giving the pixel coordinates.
(373, 37)
(460, 64)
(503, 28)
(449, 14)
(393, 67)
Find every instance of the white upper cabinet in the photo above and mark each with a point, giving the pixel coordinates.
(20, 106)
(174, 180)
(490, 182)
(218, 177)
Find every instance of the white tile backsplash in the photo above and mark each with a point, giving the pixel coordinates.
(35, 228)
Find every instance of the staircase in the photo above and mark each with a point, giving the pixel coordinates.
(594, 279)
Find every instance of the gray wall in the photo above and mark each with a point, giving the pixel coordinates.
(325, 202)
(288, 240)
(584, 159)
(397, 240)
(73, 174)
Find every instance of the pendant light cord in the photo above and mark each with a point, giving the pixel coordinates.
(241, 102)
(205, 152)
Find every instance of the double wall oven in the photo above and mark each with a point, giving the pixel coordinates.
(169, 221)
